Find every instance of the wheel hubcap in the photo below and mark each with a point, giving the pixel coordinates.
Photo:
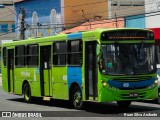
(77, 98)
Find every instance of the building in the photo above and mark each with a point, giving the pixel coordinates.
(121, 8)
(58, 15)
(42, 18)
(112, 23)
(7, 21)
(152, 8)
(78, 11)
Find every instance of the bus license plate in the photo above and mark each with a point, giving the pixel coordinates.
(133, 95)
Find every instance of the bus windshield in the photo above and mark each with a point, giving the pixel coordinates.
(124, 59)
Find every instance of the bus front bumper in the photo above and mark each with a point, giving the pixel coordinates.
(107, 94)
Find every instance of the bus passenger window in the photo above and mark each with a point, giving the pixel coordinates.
(59, 53)
(75, 52)
(32, 55)
(20, 56)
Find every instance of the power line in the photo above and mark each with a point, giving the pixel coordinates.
(113, 19)
(5, 12)
(111, 11)
(6, 16)
(101, 22)
(6, 33)
(73, 23)
(86, 4)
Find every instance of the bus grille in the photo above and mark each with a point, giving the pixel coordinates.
(132, 79)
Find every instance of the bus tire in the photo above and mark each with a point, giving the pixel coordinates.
(77, 98)
(124, 104)
(27, 93)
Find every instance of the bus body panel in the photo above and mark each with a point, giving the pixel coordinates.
(59, 81)
(32, 76)
(74, 76)
(4, 79)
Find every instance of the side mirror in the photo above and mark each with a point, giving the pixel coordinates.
(98, 49)
(98, 52)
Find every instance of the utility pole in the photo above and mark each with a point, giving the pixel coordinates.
(22, 28)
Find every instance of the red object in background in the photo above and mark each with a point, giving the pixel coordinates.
(156, 33)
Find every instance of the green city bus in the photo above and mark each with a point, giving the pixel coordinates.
(101, 65)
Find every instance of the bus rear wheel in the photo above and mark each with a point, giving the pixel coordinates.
(124, 104)
(27, 93)
(77, 98)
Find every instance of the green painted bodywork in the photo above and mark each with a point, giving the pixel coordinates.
(60, 86)
(56, 84)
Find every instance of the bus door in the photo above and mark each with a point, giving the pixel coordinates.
(45, 69)
(10, 67)
(91, 71)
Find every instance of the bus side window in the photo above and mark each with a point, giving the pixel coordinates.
(32, 55)
(4, 56)
(75, 52)
(59, 53)
(20, 56)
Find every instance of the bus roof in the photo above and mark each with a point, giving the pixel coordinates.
(66, 36)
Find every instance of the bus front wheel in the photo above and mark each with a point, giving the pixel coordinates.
(124, 104)
(77, 98)
(27, 93)
(157, 100)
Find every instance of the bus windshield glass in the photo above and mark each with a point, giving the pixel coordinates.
(125, 59)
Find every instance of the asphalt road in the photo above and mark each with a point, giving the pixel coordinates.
(61, 109)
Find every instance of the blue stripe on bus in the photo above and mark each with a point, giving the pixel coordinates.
(74, 36)
(139, 84)
(74, 75)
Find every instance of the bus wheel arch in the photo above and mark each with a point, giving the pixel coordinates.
(157, 100)
(24, 82)
(75, 96)
(26, 90)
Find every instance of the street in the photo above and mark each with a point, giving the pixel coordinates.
(61, 108)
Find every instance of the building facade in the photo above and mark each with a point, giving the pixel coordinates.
(152, 8)
(132, 10)
(7, 21)
(121, 8)
(79, 11)
(42, 17)
(45, 18)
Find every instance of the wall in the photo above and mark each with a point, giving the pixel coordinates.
(42, 17)
(137, 21)
(77, 11)
(7, 21)
(120, 8)
(152, 19)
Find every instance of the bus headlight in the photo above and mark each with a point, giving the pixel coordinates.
(103, 83)
(153, 85)
(156, 82)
